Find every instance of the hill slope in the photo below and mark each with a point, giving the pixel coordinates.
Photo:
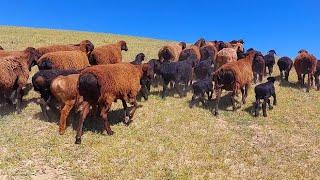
(166, 139)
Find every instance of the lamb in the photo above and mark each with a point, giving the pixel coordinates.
(200, 88)
(264, 92)
(64, 90)
(305, 63)
(41, 82)
(14, 72)
(285, 65)
(178, 72)
(108, 54)
(317, 75)
(234, 76)
(203, 69)
(155, 66)
(258, 67)
(270, 60)
(138, 60)
(171, 52)
(103, 84)
(84, 46)
(63, 60)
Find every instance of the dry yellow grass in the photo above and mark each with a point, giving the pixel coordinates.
(167, 140)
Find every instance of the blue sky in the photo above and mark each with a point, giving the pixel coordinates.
(283, 25)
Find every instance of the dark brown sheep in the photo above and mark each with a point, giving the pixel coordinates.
(305, 63)
(317, 75)
(270, 60)
(208, 51)
(192, 50)
(64, 89)
(85, 46)
(63, 60)
(285, 65)
(14, 72)
(258, 66)
(103, 84)
(171, 52)
(200, 42)
(234, 76)
(108, 54)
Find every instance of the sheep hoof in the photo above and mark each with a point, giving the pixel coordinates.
(78, 140)
(271, 107)
(216, 113)
(110, 133)
(127, 120)
(265, 115)
(61, 132)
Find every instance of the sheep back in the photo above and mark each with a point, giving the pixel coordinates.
(170, 52)
(64, 60)
(107, 54)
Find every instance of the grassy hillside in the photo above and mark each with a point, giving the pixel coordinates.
(167, 140)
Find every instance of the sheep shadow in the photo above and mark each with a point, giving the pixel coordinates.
(7, 108)
(288, 84)
(92, 123)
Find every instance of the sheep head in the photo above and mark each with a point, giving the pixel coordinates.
(33, 56)
(86, 46)
(201, 42)
(183, 45)
(123, 45)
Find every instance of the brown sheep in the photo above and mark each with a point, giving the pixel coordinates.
(234, 76)
(227, 55)
(85, 46)
(65, 91)
(305, 63)
(190, 51)
(63, 60)
(108, 54)
(14, 72)
(200, 42)
(208, 51)
(103, 84)
(171, 52)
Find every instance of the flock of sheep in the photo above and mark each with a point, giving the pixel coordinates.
(89, 79)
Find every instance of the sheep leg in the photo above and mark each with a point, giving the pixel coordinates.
(270, 70)
(104, 115)
(84, 113)
(126, 114)
(218, 96)
(274, 99)
(44, 110)
(256, 107)
(243, 95)
(135, 107)
(64, 115)
(209, 93)
(317, 82)
(309, 82)
(260, 77)
(193, 101)
(264, 107)
(269, 104)
(302, 80)
(203, 101)
(19, 99)
(255, 77)
(165, 89)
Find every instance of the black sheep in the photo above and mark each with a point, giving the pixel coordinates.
(258, 66)
(317, 75)
(203, 69)
(155, 65)
(138, 60)
(264, 92)
(178, 72)
(285, 64)
(270, 60)
(200, 88)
